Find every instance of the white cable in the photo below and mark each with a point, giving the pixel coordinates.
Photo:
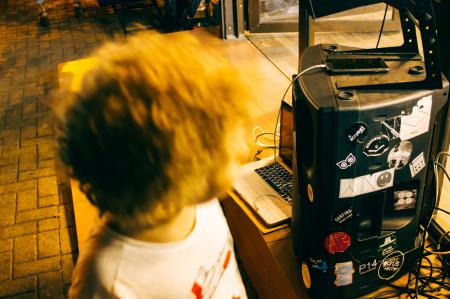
(263, 135)
(301, 73)
(275, 134)
(436, 181)
(436, 174)
(284, 95)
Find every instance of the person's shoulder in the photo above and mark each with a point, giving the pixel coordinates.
(99, 241)
(102, 248)
(97, 264)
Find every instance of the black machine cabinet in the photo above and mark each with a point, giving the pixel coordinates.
(360, 167)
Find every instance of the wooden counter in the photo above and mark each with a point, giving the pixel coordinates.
(267, 256)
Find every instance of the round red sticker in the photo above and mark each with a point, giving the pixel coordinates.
(337, 242)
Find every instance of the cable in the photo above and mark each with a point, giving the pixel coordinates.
(443, 169)
(275, 134)
(276, 125)
(424, 276)
(440, 241)
(436, 208)
(440, 165)
(382, 26)
(300, 74)
(436, 252)
(264, 144)
(264, 134)
(284, 95)
(423, 283)
(436, 164)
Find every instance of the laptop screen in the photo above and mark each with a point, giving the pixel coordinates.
(286, 146)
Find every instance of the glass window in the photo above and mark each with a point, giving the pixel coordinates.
(278, 10)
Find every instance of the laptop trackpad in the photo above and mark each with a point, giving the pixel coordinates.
(272, 208)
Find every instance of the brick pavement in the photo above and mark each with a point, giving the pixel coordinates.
(37, 233)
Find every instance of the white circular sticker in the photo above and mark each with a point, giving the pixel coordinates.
(391, 265)
(305, 275)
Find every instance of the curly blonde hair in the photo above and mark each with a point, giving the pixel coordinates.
(153, 127)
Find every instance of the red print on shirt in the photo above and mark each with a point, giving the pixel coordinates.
(206, 282)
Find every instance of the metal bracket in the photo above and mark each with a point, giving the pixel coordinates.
(410, 12)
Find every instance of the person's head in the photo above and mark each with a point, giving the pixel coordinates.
(156, 126)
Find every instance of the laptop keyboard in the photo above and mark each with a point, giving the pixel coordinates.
(278, 178)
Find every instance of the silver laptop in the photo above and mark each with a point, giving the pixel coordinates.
(266, 185)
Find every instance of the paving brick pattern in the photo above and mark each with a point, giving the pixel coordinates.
(37, 233)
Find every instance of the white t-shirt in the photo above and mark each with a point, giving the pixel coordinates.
(203, 265)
